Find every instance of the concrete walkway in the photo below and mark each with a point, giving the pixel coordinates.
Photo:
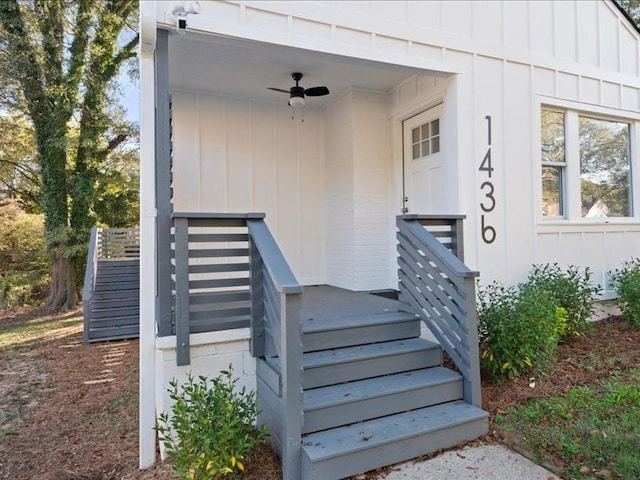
(486, 462)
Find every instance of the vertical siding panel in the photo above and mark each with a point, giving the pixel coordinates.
(631, 98)
(288, 191)
(212, 155)
(457, 17)
(489, 97)
(594, 256)
(589, 90)
(564, 27)
(263, 163)
(426, 14)
(516, 24)
(541, 26)
(567, 86)
(611, 94)
(311, 196)
(588, 49)
(238, 156)
(186, 158)
(544, 81)
(519, 197)
(609, 46)
(629, 52)
(485, 17)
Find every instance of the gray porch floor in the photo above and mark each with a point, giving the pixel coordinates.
(324, 304)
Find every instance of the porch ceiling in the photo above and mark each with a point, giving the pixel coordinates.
(245, 68)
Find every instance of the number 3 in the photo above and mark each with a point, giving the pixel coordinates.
(489, 195)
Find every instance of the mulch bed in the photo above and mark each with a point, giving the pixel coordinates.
(73, 430)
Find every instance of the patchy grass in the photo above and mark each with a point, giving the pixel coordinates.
(21, 332)
(589, 432)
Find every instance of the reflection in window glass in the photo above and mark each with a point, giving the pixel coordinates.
(605, 171)
(552, 191)
(553, 162)
(552, 136)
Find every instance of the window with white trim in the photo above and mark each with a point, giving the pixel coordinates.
(586, 165)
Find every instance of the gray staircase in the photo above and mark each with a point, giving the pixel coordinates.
(375, 393)
(113, 310)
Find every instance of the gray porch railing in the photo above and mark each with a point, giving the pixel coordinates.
(238, 277)
(105, 244)
(435, 284)
(118, 243)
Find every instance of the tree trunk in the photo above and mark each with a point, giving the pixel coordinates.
(63, 294)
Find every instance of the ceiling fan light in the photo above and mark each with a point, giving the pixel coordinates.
(296, 102)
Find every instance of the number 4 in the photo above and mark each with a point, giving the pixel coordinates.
(485, 166)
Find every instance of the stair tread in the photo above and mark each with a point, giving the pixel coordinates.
(347, 354)
(378, 432)
(310, 325)
(324, 397)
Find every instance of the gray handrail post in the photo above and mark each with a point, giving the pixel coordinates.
(291, 333)
(182, 291)
(256, 278)
(472, 390)
(89, 281)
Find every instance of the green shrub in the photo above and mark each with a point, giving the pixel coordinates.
(571, 289)
(210, 430)
(626, 281)
(24, 275)
(519, 329)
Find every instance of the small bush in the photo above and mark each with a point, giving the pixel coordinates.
(210, 430)
(571, 289)
(24, 273)
(626, 281)
(519, 328)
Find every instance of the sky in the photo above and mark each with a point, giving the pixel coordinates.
(130, 97)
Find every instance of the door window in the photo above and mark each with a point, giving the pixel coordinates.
(426, 139)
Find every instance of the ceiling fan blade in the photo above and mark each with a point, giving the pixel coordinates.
(278, 90)
(316, 91)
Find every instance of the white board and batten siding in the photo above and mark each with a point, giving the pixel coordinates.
(239, 155)
(579, 55)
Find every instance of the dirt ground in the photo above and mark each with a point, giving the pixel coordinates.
(68, 411)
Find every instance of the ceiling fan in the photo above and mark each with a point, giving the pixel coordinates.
(297, 93)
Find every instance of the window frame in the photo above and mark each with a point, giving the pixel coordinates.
(571, 185)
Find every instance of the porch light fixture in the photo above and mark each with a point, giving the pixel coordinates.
(180, 13)
(296, 102)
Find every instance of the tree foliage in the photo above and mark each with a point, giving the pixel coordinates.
(632, 7)
(59, 59)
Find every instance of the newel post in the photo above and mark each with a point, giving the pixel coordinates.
(256, 285)
(472, 386)
(291, 335)
(183, 347)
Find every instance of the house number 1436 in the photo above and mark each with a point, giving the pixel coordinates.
(488, 202)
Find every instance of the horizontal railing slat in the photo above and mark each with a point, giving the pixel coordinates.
(198, 298)
(219, 314)
(219, 267)
(218, 252)
(218, 283)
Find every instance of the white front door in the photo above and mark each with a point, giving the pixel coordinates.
(424, 179)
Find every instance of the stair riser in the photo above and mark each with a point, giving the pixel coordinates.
(115, 311)
(96, 334)
(370, 367)
(119, 295)
(114, 322)
(375, 407)
(110, 287)
(115, 279)
(132, 302)
(366, 459)
(317, 341)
